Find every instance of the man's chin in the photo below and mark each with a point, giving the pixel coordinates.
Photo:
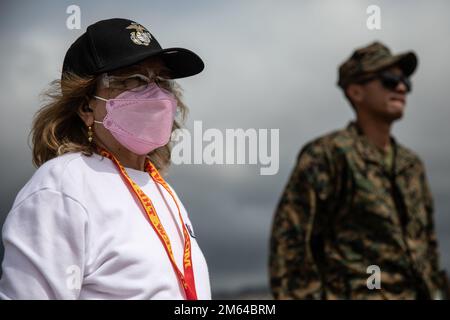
(393, 115)
(396, 117)
(395, 110)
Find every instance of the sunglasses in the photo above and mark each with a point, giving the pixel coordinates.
(390, 80)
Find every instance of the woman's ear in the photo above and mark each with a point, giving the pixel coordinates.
(86, 114)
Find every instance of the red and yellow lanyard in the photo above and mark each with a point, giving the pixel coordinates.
(186, 279)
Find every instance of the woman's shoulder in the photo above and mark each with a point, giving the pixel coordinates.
(59, 174)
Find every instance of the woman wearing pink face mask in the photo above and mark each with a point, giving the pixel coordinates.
(97, 220)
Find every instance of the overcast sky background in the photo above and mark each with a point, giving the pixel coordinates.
(269, 64)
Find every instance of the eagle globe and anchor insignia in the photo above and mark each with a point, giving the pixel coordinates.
(141, 36)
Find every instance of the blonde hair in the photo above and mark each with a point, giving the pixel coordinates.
(58, 129)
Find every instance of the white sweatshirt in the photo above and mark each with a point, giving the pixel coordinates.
(75, 231)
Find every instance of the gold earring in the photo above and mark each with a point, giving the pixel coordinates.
(90, 134)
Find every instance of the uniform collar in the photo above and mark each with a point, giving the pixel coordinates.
(371, 153)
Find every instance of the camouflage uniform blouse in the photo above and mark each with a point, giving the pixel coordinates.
(342, 211)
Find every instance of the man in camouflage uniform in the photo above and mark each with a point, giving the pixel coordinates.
(357, 198)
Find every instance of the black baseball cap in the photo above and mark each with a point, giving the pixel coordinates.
(116, 43)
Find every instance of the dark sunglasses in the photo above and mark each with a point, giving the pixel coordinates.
(390, 80)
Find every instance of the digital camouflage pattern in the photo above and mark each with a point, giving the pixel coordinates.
(367, 61)
(343, 211)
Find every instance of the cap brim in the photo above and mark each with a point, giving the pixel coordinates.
(180, 62)
(406, 61)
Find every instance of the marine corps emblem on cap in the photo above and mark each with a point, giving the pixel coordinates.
(141, 36)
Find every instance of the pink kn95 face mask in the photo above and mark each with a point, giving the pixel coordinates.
(141, 120)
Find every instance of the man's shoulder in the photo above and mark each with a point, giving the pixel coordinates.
(330, 143)
(407, 157)
(344, 142)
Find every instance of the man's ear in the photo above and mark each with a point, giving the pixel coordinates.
(355, 92)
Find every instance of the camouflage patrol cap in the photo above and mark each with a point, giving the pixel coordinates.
(371, 59)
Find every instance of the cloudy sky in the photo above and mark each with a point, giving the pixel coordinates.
(269, 64)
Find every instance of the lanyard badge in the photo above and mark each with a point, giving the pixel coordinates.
(186, 279)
